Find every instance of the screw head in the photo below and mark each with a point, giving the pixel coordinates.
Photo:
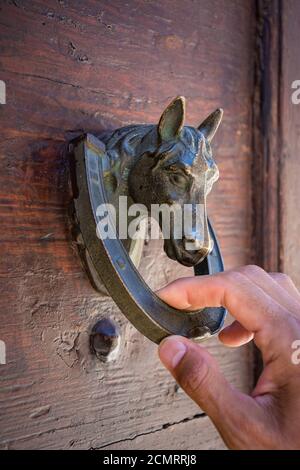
(105, 339)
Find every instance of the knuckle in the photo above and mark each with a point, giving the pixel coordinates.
(234, 277)
(251, 269)
(281, 278)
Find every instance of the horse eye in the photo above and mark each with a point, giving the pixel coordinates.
(178, 180)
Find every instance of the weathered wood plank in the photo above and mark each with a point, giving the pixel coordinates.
(196, 434)
(290, 131)
(89, 66)
(267, 137)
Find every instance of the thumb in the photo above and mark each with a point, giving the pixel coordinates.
(198, 374)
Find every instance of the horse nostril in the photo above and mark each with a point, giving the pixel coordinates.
(192, 243)
(190, 238)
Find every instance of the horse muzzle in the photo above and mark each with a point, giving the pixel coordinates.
(176, 250)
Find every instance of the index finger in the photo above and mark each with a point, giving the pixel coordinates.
(246, 301)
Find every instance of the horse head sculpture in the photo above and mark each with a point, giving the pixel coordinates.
(170, 164)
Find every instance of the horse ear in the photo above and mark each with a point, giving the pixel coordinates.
(210, 125)
(172, 119)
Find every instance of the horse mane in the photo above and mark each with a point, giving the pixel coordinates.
(128, 142)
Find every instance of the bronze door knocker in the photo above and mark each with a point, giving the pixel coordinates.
(168, 164)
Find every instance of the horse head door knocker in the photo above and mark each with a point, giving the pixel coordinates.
(167, 165)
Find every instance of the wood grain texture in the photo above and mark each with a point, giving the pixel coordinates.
(267, 143)
(180, 436)
(94, 65)
(267, 136)
(290, 131)
(276, 139)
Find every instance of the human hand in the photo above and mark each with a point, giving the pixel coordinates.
(266, 308)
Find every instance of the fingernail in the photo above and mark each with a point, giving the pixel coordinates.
(171, 352)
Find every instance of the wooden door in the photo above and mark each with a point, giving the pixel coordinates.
(88, 66)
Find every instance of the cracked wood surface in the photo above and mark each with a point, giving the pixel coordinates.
(73, 66)
(179, 436)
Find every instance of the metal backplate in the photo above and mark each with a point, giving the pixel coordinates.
(110, 260)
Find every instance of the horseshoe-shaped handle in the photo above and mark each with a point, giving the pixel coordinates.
(109, 259)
